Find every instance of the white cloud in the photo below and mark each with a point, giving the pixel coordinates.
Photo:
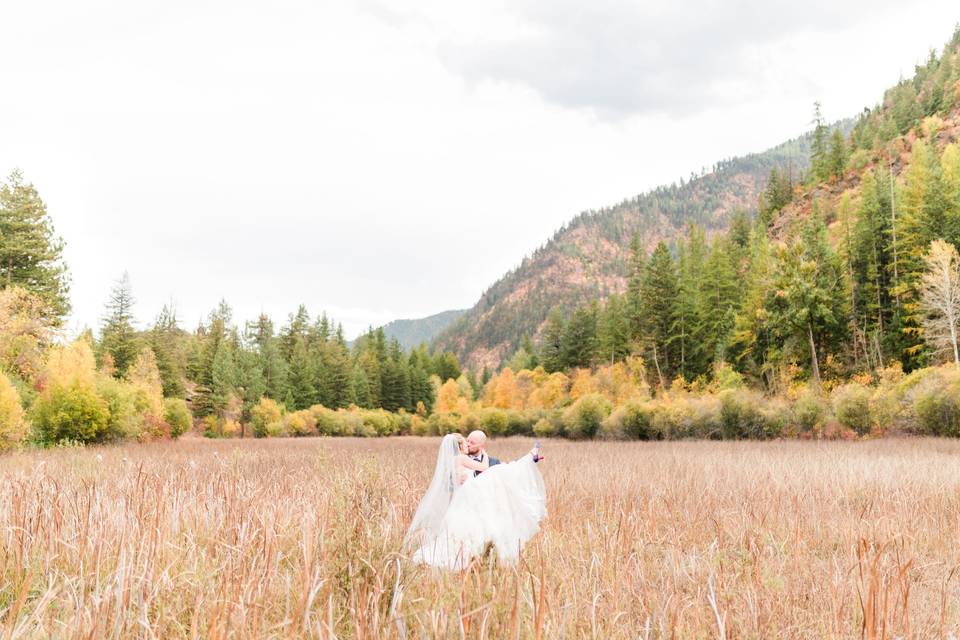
(383, 162)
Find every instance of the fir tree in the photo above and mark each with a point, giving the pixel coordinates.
(31, 255)
(117, 335)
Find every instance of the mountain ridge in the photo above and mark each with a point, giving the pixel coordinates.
(586, 258)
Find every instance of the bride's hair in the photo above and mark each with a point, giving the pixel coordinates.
(437, 498)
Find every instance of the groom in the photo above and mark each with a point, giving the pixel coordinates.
(476, 442)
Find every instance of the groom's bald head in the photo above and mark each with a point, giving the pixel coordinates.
(475, 441)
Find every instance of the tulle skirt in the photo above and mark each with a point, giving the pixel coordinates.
(502, 506)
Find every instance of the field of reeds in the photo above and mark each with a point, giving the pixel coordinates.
(302, 538)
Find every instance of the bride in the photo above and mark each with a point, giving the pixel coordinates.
(462, 512)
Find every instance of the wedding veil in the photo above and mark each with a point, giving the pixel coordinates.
(433, 505)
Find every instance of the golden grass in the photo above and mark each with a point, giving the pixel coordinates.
(301, 538)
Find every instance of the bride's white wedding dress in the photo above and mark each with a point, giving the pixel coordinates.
(454, 522)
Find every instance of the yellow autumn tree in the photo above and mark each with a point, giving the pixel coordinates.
(505, 389)
(12, 424)
(582, 384)
(25, 331)
(450, 398)
(145, 376)
(527, 382)
(550, 393)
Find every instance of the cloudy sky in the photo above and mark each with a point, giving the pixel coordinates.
(382, 159)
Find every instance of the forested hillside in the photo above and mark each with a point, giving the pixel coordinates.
(411, 333)
(586, 259)
(849, 271)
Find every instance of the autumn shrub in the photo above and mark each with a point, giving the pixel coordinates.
(357, 425)
(13, 426)
(327, 421)
(746, 414)
(809, 410)
(851, 405)
(154, 428)
(494, 422)
(230, 428)
(379, 422)
(686, 416)
(419, 426)
(128, 406)
(628, 422)
(936, 406)
(300, 423)
(70, 411)
(177, 414)
(443, 423)
(212, 427)
(583, 418)
(262, 414)
(520, 423)
(546, 428)
(69, 406)
(726, 377)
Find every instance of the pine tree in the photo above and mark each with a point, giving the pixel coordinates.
(551, 346)
(302, 375)
(165, 339)
(776, 195)
(579, 341)
(117, 335)
(659, 299)
(613, 331)
(808, 301)
(922, 218)
(31, 255)
(635, 273)
(837, 155)
(819, 153)
(223, 376)
(688, 329)
(719, 300)
(754, 347)
(270, 358)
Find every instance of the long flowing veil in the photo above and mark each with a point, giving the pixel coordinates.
(426, 521)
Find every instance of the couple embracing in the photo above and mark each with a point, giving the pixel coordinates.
(473, 501)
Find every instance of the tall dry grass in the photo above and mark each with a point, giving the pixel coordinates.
(301, 538)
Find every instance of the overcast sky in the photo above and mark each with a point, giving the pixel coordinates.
(384, 159)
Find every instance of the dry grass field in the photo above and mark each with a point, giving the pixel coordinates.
(301, 538)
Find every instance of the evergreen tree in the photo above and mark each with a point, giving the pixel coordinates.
(362, 388)
(579, 341)
(923, 204)
(819, 153)
(165, 338)
(117, 335)
(719, 301)
(302, 375)
(270, 359)
(808, 302)
(551, 348)
(31, 255)
(837, 155)
(659, 299)
(339, 374)
(688, 328)
(776, 195)
(613, 330)
(635, 274)
(755, 346)
(224, 376)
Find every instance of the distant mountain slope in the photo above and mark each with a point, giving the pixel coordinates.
(411, 333)
(586, 258)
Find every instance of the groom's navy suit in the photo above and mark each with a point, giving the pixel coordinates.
(490, 460)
